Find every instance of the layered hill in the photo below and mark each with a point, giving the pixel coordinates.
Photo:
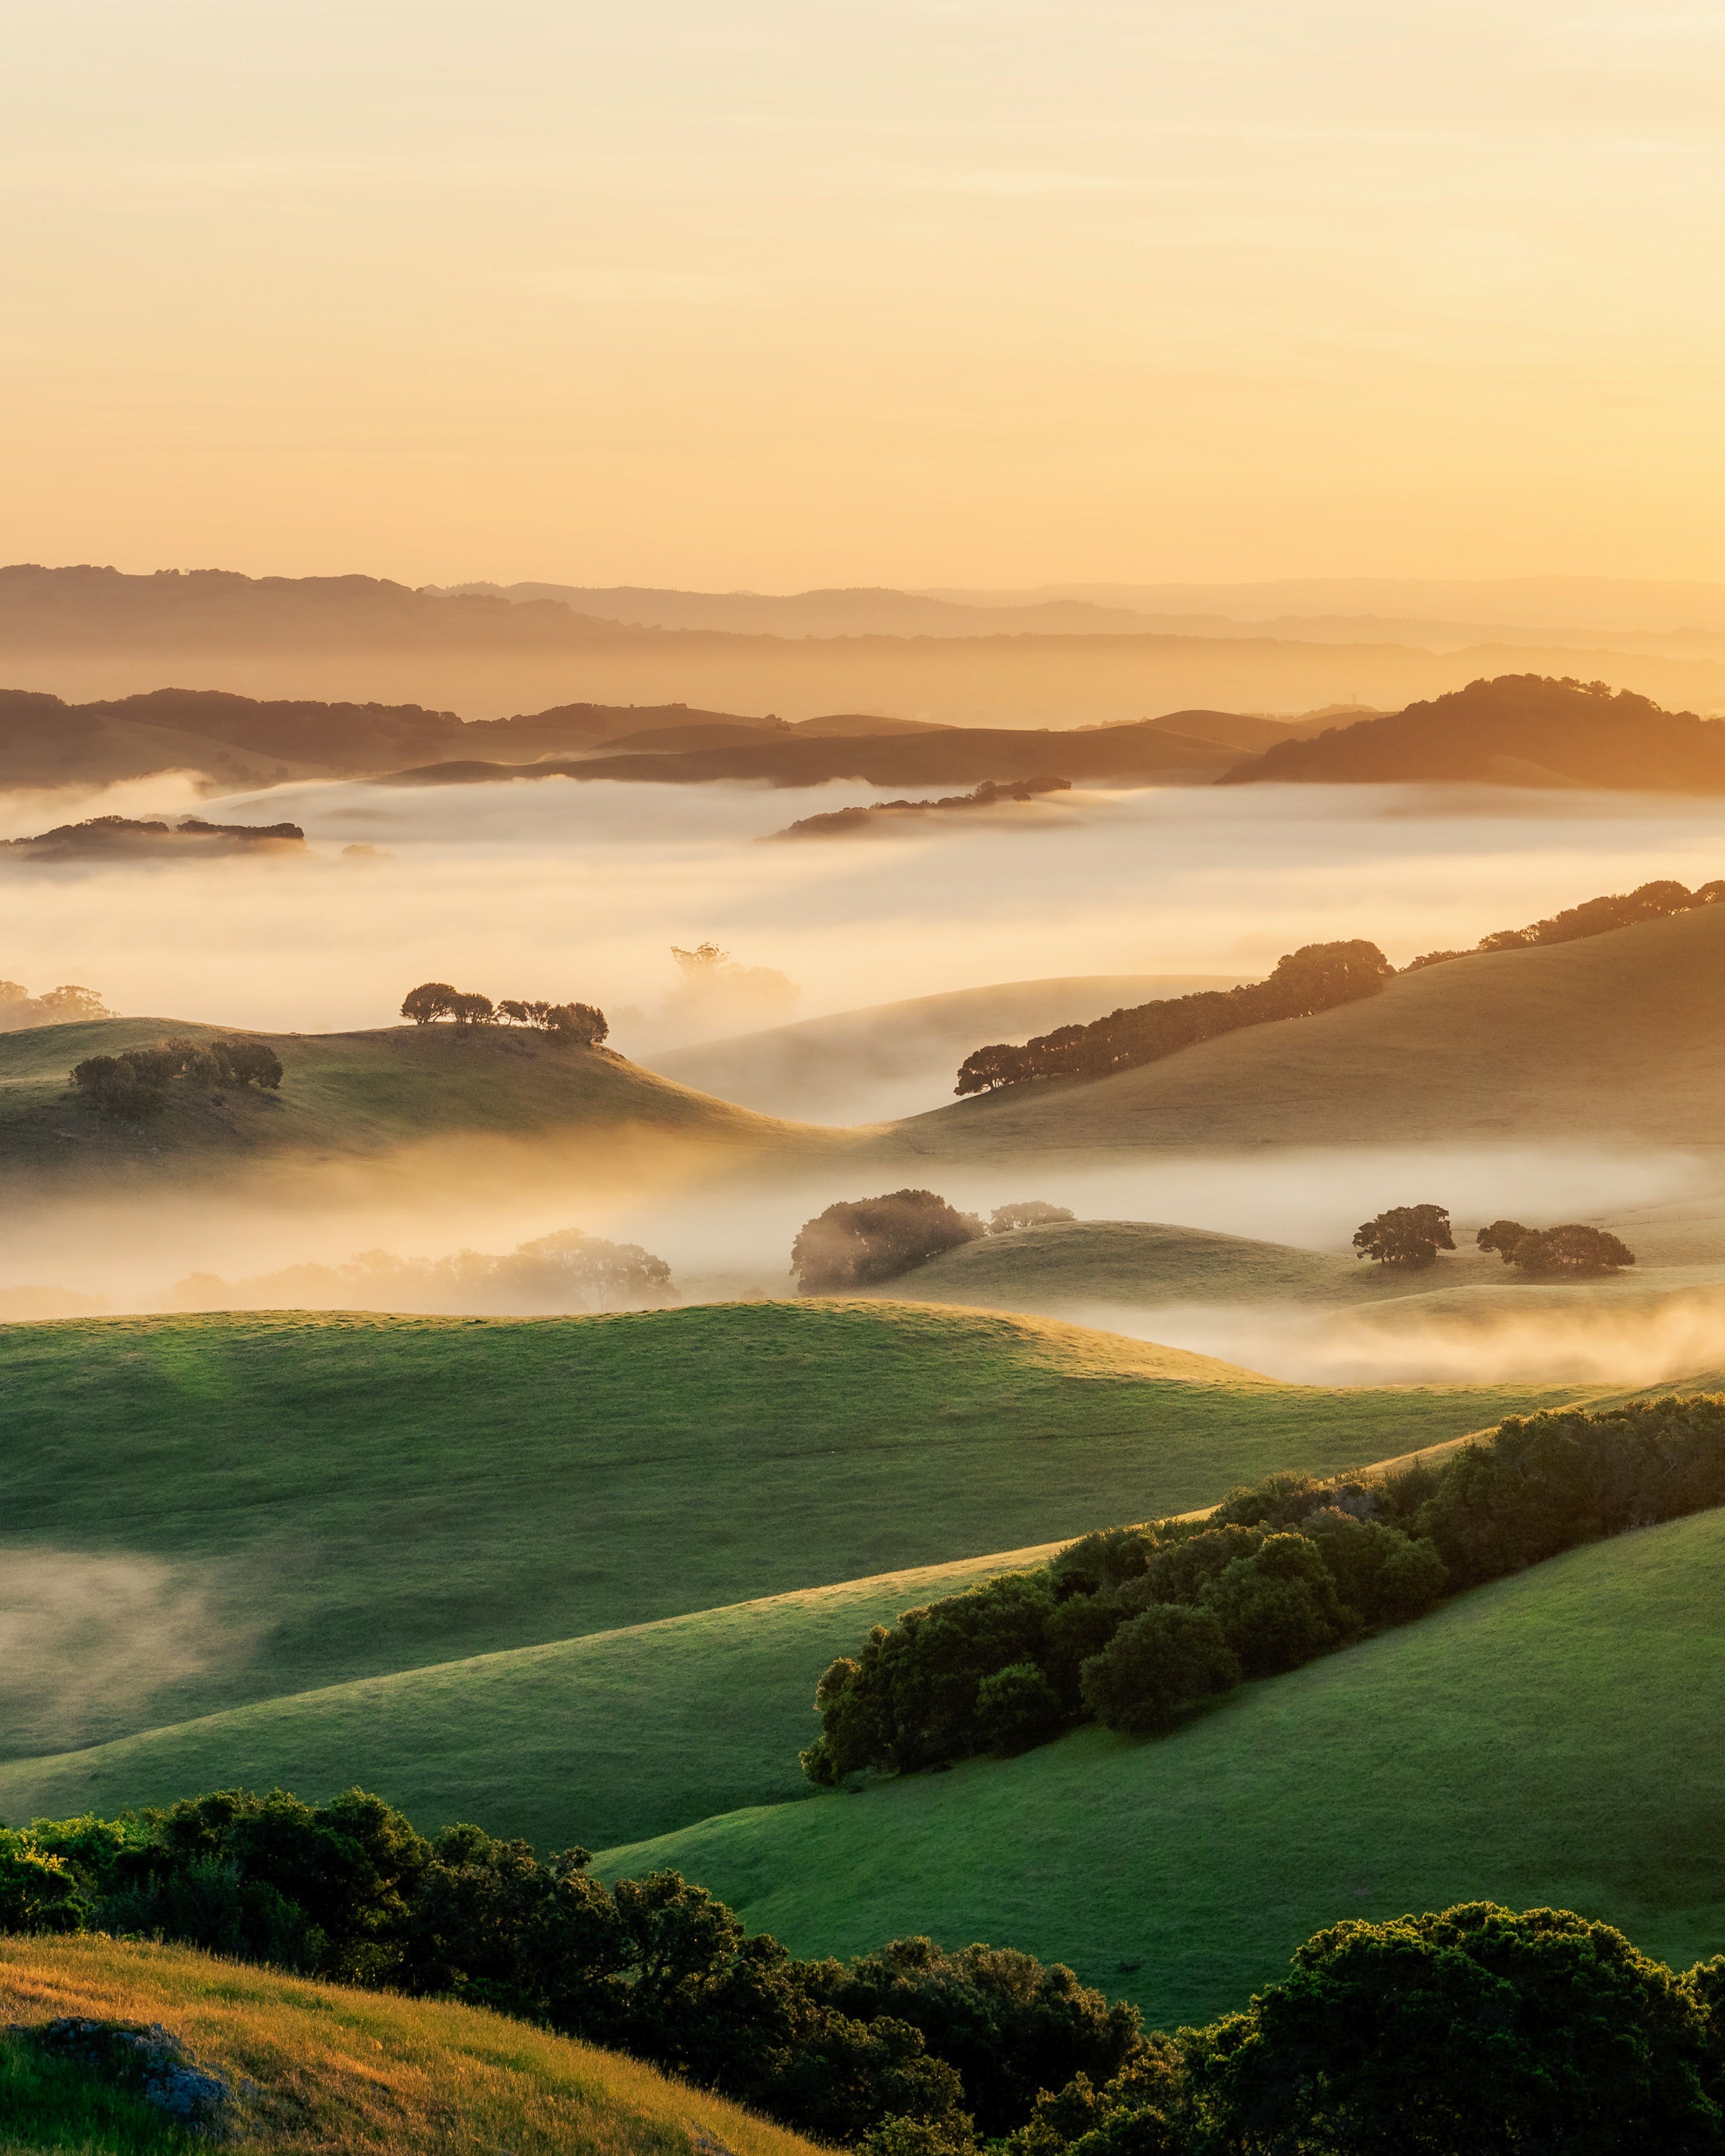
(865, 1065)
(1521, 730)
(1496, 1045)
(350, 2073)
(1533, 1742)
(88, 632)
(203, 1514)
(356, 1096)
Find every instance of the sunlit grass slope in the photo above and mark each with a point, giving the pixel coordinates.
(1619, 1037)
(1549, 1739)
(593, 1740)
(348, 2073)
(353, 1096)
(353, 1495)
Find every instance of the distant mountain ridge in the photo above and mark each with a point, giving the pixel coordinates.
(89, 632)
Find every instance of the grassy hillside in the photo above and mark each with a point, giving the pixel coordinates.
(595, 1740)
(1150, 1261)
(351, 1095)
(344, 2072)
(863, 1065)
(1511, 1044)
(1544, 1740)
(285, 1501)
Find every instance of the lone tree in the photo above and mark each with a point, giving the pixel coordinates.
(865, 1240)
(1573, 1251)
(1410, 1236)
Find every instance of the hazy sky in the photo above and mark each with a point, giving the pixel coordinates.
(778, 293)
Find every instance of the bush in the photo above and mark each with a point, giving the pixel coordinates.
(1410, 1236)
(1572, 1252)
(118, 1085)
(865, 1240)
(1156, 1666)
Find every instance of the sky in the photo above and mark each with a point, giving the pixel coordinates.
(784, 293)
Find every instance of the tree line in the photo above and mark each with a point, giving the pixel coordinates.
(134, 1083)
(1471, 2031)
(1135, 1627)
(1318, 976)
(582, 1025)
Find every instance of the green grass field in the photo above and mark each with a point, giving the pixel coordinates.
(1497, 1048)
(313, 1500)
(344, 2072)
(592, 1740)
(1548, 1739)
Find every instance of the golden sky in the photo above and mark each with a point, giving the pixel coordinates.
(781, 293)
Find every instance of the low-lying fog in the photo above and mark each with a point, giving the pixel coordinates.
(732, 1241)
(560, 889)
(557, 889)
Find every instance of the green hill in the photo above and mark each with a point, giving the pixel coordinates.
(344, 2072)
(355, 1096)
(1495, 1047)
(1147, 1261)
(604, 1738)
(1546, 1740)
(206, 1512)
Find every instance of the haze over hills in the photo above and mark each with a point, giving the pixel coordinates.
(1493, 1046)
(90, 634)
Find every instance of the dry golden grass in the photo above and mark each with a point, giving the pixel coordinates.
(355, 2073)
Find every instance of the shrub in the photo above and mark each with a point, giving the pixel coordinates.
(118, 1085)
(1156, 1666)
(865, 1240)
(1410, 1236)
(1278, 1607)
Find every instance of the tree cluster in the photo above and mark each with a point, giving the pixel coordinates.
(582, 1025)
(945, 2044)
(135, 1082)
(1133, 1627)
(1410, 1236)
(1573, 1251)
(567, 1271)
(60, 1006)
(862, 1240)
(1318, 976)
(1471, 2031)
(1594, 917)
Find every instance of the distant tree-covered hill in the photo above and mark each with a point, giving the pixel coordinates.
(1519, 730)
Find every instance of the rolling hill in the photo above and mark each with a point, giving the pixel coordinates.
(342, 2071)
(1520, 730)
(1540, 1741)
(1498, 1045)
(195, 1508)
(863, 1067)
(356, 1097)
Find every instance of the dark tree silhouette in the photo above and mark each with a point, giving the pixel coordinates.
(865, 1240)
(1410, 1236)
(1501, 1236)
(1573, 1251)
(431, 999)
